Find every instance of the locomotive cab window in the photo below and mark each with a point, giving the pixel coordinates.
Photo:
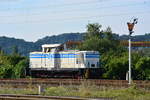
(92, 65)
(46, 49)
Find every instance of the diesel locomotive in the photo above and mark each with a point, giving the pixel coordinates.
(56, 60)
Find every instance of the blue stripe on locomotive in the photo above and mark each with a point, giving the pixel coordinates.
(62, 55)
(92, 56)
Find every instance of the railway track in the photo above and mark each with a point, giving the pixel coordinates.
(24, 83)
(56, 82)
(37, 97)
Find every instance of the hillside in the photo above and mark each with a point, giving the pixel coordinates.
(62, 38)
(145, 37)
(25, 47)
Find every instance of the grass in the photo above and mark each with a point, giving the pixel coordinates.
(8, 89)
(85, 90)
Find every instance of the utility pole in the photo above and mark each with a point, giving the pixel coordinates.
(130, 28)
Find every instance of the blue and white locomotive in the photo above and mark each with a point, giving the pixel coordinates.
(56, 61)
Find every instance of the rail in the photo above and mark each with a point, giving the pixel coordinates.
(38, 97)
(98, 82)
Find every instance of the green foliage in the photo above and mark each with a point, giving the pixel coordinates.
(88, 44)
(20, 68)
(12, 66)
(99, 40)
(114, 57)
(14, 59)
(6, 71)
(143, 68)
(116, 67)
(93, 30)
(56, 91)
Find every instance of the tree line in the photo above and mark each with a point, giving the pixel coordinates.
(113, 56)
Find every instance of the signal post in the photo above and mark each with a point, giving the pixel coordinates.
(130, 28)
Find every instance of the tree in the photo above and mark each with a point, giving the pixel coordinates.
(104, 42)
(116, 66)
(93, 30)
(98, 39)
(108, 33)
(12, 66)
(6, 71)
(143, 68)
(20, 68)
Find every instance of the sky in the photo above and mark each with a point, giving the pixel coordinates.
(34, 19)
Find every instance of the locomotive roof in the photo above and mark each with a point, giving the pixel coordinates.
(50, 45)
(67, 51)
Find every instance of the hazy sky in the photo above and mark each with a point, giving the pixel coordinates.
(35, 19)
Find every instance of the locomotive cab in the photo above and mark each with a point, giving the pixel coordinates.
(50, 47)
(91, 59)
